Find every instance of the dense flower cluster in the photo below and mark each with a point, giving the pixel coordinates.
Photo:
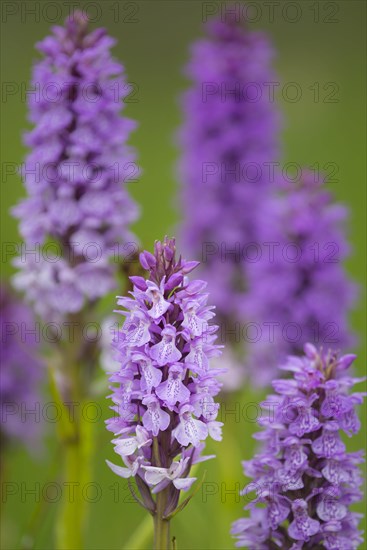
(298, 289)
(229, 137)
(304, 478)
(76, 172)
(164, 390)
(21, 372)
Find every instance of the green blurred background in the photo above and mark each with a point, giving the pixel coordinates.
(326, 44)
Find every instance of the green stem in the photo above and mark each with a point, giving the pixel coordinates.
(70, 521)
(76, 451)
(77, 455)
(161, 525)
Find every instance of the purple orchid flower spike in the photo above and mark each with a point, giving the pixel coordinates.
(164, 389)
(306, 478)
(228, 140)
(22, 372)
(301, 216)
(224, 132)
(76, 171)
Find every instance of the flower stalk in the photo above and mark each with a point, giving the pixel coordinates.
(305, 480)
(163, 387)
(228, 140)
(161, 525)
(75, 175)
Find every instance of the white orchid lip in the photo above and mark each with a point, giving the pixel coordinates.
(155, 475)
